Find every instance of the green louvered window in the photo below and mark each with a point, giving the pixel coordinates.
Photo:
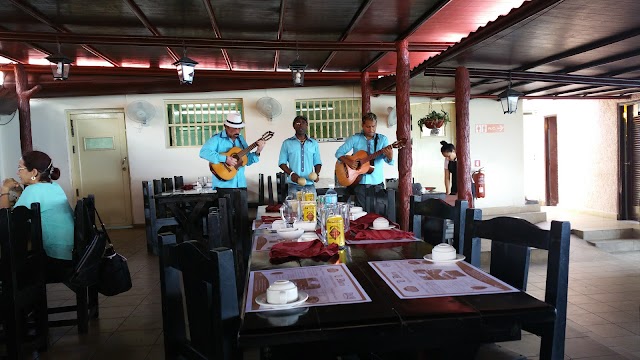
(193, 123)
(331, 119)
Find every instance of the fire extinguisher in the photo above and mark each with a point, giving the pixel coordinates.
(478, 179)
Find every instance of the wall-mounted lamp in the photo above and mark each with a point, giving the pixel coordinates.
(186, 68)
(297, 71)
(509, 99)
(60, 65)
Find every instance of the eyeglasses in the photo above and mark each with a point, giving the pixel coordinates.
(21, 168)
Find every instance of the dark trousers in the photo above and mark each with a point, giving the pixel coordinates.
(360, 192)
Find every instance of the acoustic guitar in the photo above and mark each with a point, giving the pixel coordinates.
(225, 172)
(347, 176)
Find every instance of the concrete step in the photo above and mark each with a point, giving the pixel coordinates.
(616, 245)
(532, 217)
(506, 210)
(604, 234)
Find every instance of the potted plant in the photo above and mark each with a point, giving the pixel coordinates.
(434, 120)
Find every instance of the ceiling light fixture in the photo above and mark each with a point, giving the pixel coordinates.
(297, 71)
(509, 99)
(60, 65)
(186, 68)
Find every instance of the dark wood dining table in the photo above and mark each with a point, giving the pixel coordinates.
(188, 208)
(388, 323)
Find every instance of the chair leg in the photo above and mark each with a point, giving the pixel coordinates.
(93, 302)
(82, 310)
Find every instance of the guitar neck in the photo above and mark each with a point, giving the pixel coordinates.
(248, 149)
(375, 154)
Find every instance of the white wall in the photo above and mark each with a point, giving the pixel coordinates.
(9, 145)
(150, 158)
(587, 152)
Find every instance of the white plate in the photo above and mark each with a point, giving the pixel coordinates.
(458, 258)
(383, 228)
(262, 301)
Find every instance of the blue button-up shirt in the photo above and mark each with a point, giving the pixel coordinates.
(359, 142)
(212, 151)
(300, 157)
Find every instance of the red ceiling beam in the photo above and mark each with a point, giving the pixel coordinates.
(145, 21)
(35, 13)
(135, 40)
(276, 58)
(216, 30)
(32, 45)
(354, 21)
(481, 96)
(9, 57)
(157, 72)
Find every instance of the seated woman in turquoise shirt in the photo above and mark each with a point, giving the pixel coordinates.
(36, 172)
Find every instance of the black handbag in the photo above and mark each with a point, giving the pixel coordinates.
(114, 277)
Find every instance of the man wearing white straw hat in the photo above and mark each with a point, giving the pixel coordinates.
(222, 142)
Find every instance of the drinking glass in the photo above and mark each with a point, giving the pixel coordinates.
(290, 213)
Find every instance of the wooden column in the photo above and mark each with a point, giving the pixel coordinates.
(24, 109)
(463, 95)
(365, 84)
(403, 111)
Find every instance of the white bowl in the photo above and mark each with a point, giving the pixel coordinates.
(380, 223)
(308, 236)
(305, 225)
(443, 252)
(357, 215)
(278, 224)
(290, 233)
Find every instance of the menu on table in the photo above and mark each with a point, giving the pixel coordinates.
(325, 284)
(385, 241)
(259, 224)
(265, 242)
(418, 278)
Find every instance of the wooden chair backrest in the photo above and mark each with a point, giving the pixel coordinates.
(511, 240)
(209, 292)
(381, 201)
(428, 220)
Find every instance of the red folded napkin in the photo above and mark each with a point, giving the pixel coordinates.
(273, 208)
(308, 249)
(360, 230)
(269, 219)
(365, 222)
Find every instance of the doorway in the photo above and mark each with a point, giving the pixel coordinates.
(551, 160)
(100, 163)
(629, 163)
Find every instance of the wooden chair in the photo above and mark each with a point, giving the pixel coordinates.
(22, 285)
(511, 239)
(429, 222)
(152, 222)
(212, 308)
(381, 201)
(86, 306)
(282, 188)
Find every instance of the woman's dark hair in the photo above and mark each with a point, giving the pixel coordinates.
(41, 162)
(369, 116)
(447, 147)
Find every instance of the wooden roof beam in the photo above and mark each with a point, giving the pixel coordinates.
(481, 96)
(276, 58)
(525, 12)
(145, 21)
(354, 21)
(536, 76)
(135, 40)
(35, 13)
(216, 30)
(411, 29)
(610, 73)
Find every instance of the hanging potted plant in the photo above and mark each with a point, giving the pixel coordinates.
(434, 120)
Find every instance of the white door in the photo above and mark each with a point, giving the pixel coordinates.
(100, 164)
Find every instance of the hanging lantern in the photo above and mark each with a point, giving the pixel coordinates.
(60, 65)
(186, 69)
(297, 71)
(509, 99)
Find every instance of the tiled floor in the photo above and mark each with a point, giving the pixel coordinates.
(603, 311)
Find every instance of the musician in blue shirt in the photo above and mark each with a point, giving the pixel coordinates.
(299, 157)
(222, 142)
(369, 141)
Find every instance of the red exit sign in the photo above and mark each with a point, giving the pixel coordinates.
(489, 128)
